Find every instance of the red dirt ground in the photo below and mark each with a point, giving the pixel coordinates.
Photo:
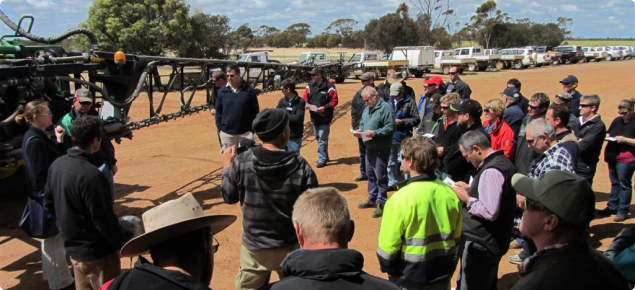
(168, 160)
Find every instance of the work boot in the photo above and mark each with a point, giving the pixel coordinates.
(619, 218)
(379, 211)
(360, 178)
(605, 212)
(369, 203)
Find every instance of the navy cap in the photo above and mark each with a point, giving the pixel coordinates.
(569, 79)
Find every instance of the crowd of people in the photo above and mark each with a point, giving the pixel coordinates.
(465, 191)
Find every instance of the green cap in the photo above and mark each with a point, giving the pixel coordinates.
(565, 194)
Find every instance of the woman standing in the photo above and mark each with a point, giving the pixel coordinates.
(620, 156)
(502, 136)
(39, 152)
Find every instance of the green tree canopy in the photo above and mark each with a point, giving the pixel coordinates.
(392, 29)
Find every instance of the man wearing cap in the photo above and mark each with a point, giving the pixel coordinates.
(324, 228)
(357, 108)
(295, 108)
(376, 129)
(468, 119)
(523, 102)
(267, 181)
(564, 99)
(322, 94)
(590, 137)
(556, 116)
(421, 227)
(457, 85)
(180, 239)
(433, 87)
(488, 212)
(79, 196)
(430, 123)
(513, 115)
(83, 105)
(406, 118)
(558, 209)
(569, 86)
(384, 88)
(524, 155)
(236, 108)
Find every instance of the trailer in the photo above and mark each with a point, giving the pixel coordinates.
(420, 58)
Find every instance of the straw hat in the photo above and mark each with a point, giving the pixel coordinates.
(172, 219)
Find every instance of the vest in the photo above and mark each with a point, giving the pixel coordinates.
(494, 235)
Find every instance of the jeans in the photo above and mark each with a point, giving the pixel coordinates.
(394, 164)
(376, 163)
(529, 248)
(294, 145)
(322, 136)
(362, 158)
(479, 268)
(586, 172)
(621, 176)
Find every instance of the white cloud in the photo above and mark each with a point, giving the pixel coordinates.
(569, 8)
(260, 4)
(41, 4)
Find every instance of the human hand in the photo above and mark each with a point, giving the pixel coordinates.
(114, 169)
(321, 109)
(59, 133)
(620, 139)
(212, 111)
(369, 133)
(398, 121)
(462, 185)
(520, 200)
(460, 193)
(440, 151)
(228, 156)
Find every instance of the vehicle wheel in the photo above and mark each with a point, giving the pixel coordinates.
(339, 79)
(584, 60)
(418, 74)
(500, 65)
(556, 62)
(446, 69)
(518, 64)
(609, 57)
(472, 67)
(538, 64)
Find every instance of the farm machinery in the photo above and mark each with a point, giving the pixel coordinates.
(47, 71)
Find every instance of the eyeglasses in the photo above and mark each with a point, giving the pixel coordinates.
(444, 108)
(453, 73)
(486, 111)
(531, 204)
(585, 105)
(49, 114)
(624, 113)
(533, 107)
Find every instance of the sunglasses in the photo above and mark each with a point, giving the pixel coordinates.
(531, 204)
(532, 141)
(444, 108)
(623, 113)
(453, 73)
(585, 105)
(230, 75)
(486, 111)
(533, 107)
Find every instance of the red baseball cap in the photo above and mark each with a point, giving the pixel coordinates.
(435, 80)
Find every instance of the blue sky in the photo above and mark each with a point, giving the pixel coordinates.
(592, 18)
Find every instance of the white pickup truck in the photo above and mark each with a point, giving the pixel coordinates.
(313, 58)
(611, 54)
(255, 73)
(444, 59)
(482, 61)
(420, 58)
(517, 58)
(540, 58)
(591, 54)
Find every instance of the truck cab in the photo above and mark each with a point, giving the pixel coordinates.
(482, 60)
(313, 57)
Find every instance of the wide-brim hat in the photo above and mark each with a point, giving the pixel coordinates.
(172, 219)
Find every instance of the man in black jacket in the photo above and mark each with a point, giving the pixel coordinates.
(267, 181)
(80, 197)
(523, 155)
(236, 107)
(320, 96)
(294, 106)
(357, 108)
(590, 137)
(457, 85)
(324, 227)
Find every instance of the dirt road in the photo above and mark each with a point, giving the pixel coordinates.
(165, 161)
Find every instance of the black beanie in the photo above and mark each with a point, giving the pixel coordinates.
(270, 123)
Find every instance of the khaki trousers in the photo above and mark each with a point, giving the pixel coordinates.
(256, 266)
(92, 274)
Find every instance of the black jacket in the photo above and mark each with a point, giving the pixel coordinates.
(460, 87)
(321, 95)
(384, 90)
(592, 134)
(295, 111)
(80, 197)
(147, 276)
(454, 163)
(523, 155)
(40, 154)
(357, 108)
(574, 266)
(236, 111)
(328, 269)
(619, 128)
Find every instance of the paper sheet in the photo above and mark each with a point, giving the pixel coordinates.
(448, 181)
(313, 108)
(610, 139)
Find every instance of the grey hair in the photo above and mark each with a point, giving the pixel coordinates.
(323, 215)
(541, 126)
(474, 137)
(593, 100)
(369, 91)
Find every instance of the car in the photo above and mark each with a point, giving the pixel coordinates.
(611, 54)
(591, 54)
(626, 51)
(526, 53)
(570, 53)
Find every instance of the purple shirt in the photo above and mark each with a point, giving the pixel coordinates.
(490, 190)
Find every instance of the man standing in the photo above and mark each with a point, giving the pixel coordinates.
(557, 116)
(524, 155)
(406, 118)
(433, 88)
(523, 102)
(488, 212)
(357, 108)
(384, 88)
(80, 197)
(236, 108)
(219, 80)
(590, 137)
(295, 107)
(513, 115)
(324, 227)
(469, 119)
(558, 209)
(180, 239)
(321, 95)
(569, 85)
(376, 129)
(267, 181)
(456, 84)
(421, 227)
(564, 99)
(430, 123)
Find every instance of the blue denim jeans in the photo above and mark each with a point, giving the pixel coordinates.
(621, 176)
(322, 136)
(294, 145)
(362, 157)
(394, 165)
(376, 163)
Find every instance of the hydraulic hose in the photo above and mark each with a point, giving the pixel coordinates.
(54, 39)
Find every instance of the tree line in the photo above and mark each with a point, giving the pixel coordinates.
(157, 27)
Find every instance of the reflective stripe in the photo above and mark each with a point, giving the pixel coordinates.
(387, 256)
(414, 258)
(428, 240)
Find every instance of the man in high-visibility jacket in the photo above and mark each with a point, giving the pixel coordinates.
(422, 223)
